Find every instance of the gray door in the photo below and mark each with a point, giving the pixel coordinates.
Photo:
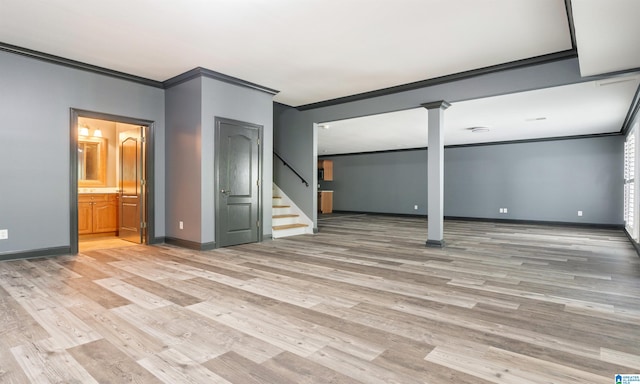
(131, 225)
(237, 182)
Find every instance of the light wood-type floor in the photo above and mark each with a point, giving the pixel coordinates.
(363, 301)
(102, 242)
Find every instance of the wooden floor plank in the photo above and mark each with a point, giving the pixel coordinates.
(97, 293)
(64, 327)
(172, 367)
(107, 364)
(43, 363)
(126, 336)
(17, 326)
(359, 369)
(10, 370)
(304, 371)
(238, 369)
(132, 293)
(162, 291)
(500, 366)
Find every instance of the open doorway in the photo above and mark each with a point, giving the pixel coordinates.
(110, 185)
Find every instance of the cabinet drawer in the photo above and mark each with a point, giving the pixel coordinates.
(85, 198)
(325, 202)
(96, 197)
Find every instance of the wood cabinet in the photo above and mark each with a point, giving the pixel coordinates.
(97, 213)
(325, 201)
(325, 168)
(85, 216)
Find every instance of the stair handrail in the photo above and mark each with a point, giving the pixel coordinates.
(290, 167)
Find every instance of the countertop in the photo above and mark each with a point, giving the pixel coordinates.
(98, 190)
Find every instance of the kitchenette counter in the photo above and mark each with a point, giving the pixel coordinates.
(325, 201)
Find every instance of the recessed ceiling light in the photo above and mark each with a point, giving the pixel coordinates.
(479, 129)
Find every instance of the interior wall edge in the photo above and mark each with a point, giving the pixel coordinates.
(190, 244)
(496, 220)
(53, 59)
(35, 253)
(636, 246)
(157, 240)
(548, 58)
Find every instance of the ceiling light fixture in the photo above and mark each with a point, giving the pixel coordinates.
(605, 82)
(325, 126)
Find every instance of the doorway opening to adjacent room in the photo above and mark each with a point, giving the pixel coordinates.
(111, 186)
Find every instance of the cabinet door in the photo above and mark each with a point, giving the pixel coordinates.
(328, 170)
(85, 217)
(327, 167)
(325, 202)
(104, 216)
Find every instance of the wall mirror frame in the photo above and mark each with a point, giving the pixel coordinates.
(92, 161)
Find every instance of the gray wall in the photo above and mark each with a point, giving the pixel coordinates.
(35, 102)
(183, 167)
(546, 181)
(220, 99)
(387, 182)
(191, 108)
(294, 130)
(292, 141)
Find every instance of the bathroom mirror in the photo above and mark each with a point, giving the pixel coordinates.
(92, 162)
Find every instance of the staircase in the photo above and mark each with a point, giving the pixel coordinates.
(287, 219)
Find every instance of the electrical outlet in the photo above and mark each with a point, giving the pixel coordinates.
(181, 225)
(579, 213)
(415, 207)
(505, 210)
(501, 210)
(4, 234)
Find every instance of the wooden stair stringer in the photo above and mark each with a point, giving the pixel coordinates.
(287, 219)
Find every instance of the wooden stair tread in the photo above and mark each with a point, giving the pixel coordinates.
(285, 216)
(289, 226)
(281, 206)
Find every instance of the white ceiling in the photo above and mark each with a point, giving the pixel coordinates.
(318, 50)
(607, 35)
(310, 50)
(592, 107)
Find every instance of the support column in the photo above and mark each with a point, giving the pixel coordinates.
(435, 173)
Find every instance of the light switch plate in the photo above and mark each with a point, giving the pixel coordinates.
(4, 234)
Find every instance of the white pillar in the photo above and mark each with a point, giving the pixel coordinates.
(435, 173)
